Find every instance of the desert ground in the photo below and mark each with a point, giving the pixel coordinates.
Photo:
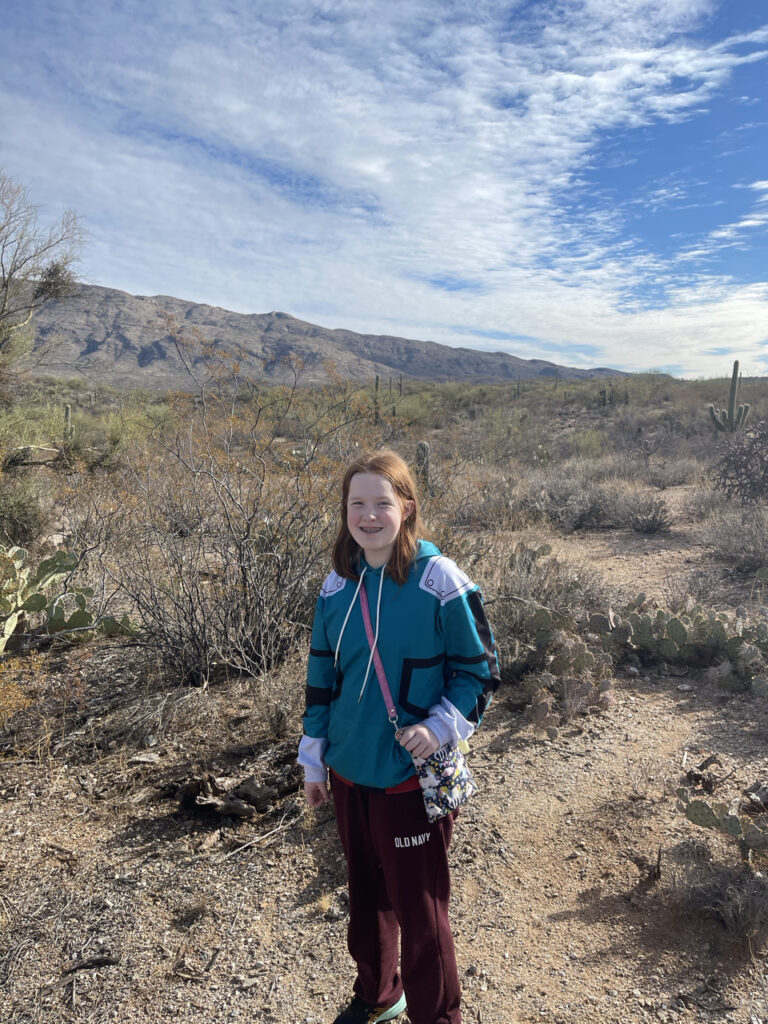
(575, 873)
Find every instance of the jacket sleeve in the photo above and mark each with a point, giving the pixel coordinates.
(472, 668)
(321, 677)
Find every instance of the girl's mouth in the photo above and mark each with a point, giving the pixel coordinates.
(370, 529)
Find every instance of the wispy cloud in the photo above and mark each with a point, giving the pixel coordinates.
(406, 167)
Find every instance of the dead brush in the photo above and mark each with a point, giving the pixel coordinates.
(644, 513)
(702, 502)
(739, 538)
(684, 591)
(734, 896)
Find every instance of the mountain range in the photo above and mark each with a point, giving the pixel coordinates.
(115, 338)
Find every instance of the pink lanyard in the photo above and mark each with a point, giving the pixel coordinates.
(377, 663)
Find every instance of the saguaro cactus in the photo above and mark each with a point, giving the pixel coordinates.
(734, 416)
(68, 428)
(423, 458)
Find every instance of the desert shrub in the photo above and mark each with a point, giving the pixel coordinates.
(685, 590)
(217, 535)
(609, 468)
(531, 593)
(742, 469)
(738, 899)
(739, 539)
(672, 473)
(735, 897)
(220, 563)
(644, 513)
(565, 507)
(24, 508)
(703, 501)
(483, 501)
(589, 443)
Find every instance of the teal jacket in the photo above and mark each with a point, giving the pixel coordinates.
(438, 654)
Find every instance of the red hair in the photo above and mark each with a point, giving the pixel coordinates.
(346, 551)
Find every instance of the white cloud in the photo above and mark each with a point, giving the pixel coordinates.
(383, 166)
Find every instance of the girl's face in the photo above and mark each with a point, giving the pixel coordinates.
(374, 516)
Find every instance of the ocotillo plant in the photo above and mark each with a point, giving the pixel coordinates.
(734, 416)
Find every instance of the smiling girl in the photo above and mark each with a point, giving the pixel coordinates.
(439, 657)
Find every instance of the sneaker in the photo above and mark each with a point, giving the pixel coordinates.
(360, 1012)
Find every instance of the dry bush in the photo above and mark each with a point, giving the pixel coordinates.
(740, 539)
(566, 506)
(217, 537)
(742, 469)
(480, 498)
(734, 896)
(702, 502)
(644, 513)
(683, 592)
(529, 578)
(578, 494)
(626, 505)
(673, 473)
(25, 508)
(221, 564)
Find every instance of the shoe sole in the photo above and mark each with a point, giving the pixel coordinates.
(393, 1011)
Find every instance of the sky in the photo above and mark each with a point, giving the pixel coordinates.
(584, 181)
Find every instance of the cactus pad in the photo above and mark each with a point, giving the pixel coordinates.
(700, 813)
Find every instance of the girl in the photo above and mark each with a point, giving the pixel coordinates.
(439, 658)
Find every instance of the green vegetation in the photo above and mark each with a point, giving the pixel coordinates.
(750, 831)
(40, 603)
(734, 416)
(208, 514)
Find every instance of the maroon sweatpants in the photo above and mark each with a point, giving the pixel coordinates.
(399, 882)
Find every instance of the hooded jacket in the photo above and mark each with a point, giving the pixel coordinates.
(439, 658)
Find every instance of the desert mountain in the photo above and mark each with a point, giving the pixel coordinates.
(119, 339)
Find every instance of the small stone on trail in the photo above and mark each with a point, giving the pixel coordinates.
(151, 757)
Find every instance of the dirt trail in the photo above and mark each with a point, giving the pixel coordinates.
(116, 906)
(580, 928)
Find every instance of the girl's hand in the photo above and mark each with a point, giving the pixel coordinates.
(419, 740)
(316, 793)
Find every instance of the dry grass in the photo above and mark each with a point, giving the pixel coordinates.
(731, 894)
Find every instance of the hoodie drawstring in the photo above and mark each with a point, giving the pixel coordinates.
(376, 634)
(346, 617)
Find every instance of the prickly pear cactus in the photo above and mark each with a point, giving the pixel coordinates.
(751, 833)
(25, 592)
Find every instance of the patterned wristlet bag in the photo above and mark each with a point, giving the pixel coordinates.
(446, 781)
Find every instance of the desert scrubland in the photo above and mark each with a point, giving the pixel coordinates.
(163, 553)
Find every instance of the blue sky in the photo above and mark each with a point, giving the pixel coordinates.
(584, 181)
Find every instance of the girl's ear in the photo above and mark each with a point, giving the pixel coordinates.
(408, 507)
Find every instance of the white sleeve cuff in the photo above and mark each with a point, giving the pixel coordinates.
(447, 723)
(312, 758)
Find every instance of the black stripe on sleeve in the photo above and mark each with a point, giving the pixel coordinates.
(461, 660)
(317, 695)
(314, 653)
(489, 656)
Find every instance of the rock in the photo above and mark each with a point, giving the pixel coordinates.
(151, 757)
